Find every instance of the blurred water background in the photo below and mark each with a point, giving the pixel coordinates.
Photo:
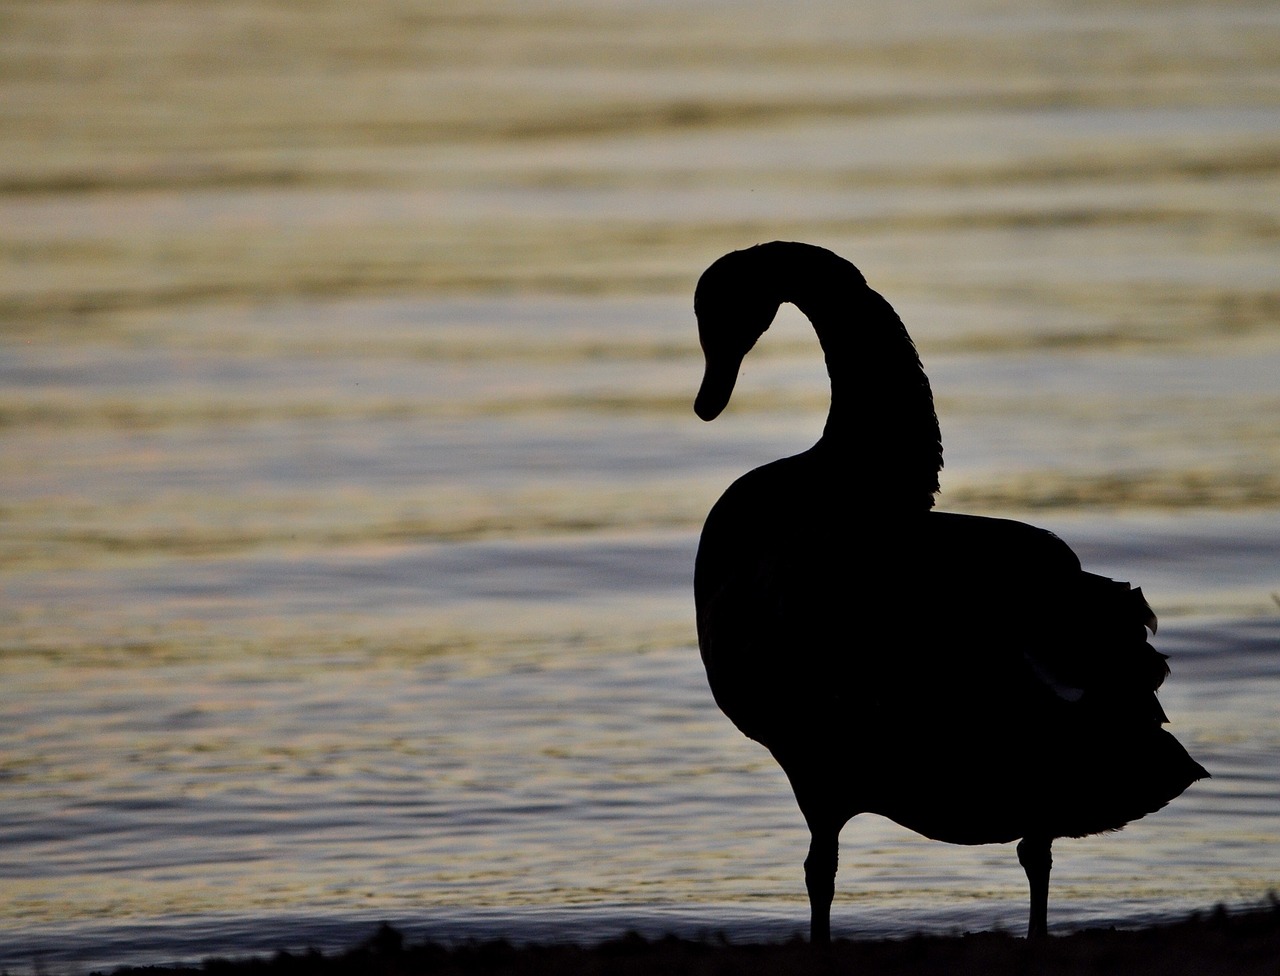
(350, 481)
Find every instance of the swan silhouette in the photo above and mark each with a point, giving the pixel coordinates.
(960, 675)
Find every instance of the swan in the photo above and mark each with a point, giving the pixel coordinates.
(960, 675)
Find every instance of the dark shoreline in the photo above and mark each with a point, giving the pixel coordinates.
(1238, 943)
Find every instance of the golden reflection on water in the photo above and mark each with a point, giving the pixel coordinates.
(588, 151)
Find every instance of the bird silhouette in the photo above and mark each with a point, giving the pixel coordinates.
(960, 675)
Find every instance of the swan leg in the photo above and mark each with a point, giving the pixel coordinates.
(1036, 858)
(820, 880)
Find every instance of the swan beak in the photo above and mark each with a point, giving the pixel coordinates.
(717, 386)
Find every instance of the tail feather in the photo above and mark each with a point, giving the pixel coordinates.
(1099, 647)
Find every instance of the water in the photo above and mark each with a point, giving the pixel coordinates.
(351, 483)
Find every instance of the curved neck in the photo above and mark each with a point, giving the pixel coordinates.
(881, 423)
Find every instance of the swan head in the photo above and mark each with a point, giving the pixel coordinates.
(734, 304)
(882, 405)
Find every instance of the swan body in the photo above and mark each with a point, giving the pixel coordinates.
(960, 675)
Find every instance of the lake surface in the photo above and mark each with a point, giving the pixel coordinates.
(351, 485)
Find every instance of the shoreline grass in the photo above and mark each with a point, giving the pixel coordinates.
(1240, 943)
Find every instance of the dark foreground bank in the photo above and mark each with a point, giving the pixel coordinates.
(1220, 942)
